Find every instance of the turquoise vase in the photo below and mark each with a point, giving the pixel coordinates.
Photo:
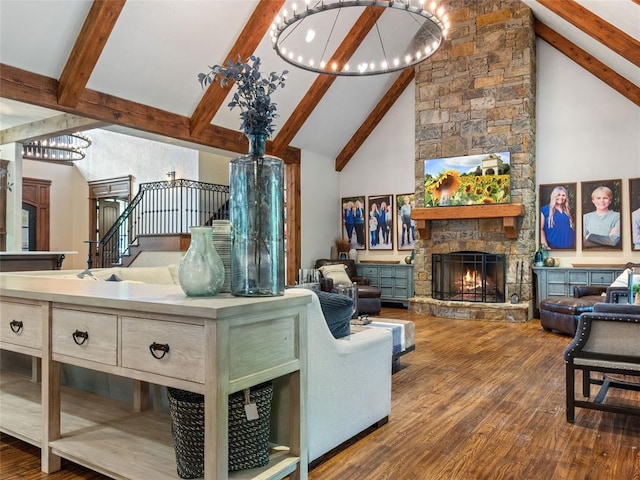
(256, 206)
(201, 271)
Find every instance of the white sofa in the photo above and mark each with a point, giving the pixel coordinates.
(348, 381)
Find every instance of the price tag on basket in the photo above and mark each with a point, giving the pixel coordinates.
(250, 409)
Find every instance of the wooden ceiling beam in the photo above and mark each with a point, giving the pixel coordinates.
(23, 86)
(246, 44)
(612, 37)
(53, 126)
(86, 51)
(374, 118)
(321, 85)
(589, 63)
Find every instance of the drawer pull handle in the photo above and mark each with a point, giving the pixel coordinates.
(80, 337)
(16, 325)
(163, 347)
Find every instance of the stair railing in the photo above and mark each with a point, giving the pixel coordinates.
(165, 207)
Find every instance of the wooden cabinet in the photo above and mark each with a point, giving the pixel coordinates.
(153, 334)
(559, 282)
(394, 280)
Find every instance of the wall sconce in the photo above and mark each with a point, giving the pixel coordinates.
(171, 175)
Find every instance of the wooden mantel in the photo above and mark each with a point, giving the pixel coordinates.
(507, 211)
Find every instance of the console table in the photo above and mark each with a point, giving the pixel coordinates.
(151, 334)
(394, 280)
(559, 282)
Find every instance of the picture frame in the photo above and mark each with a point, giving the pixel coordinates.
(380, 222)
(406, 226)
(557, 216)
(343, 256)
(602, 215)
(634, 212)
(353, 219)
(468, 180)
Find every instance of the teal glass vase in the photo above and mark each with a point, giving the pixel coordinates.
(201, 271)
(256, 211)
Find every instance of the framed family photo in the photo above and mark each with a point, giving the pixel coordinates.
(353, 221)
(601, 215)
(558, 216)
(406, 230)
(380, 222)
(634, 207)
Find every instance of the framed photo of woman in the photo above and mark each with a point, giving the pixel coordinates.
(558, 216)
(353, 221)
(405, 202)
(380, 222)
(601, 215)
(634, 207)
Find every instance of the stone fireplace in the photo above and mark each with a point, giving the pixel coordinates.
(468, 276)
(476, 95)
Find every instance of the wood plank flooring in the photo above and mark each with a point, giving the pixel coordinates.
(475, 400)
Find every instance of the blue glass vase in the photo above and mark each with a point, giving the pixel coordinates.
(201, 271)
(256, 189)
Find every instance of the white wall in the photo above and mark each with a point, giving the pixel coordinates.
(383, 165)
(586, 131)
(319, 183)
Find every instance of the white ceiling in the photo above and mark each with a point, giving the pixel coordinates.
(158, 47)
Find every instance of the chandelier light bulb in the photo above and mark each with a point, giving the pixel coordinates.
(384, 64)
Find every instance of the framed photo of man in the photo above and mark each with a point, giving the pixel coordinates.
(558, 216)
(634, 207)
(353, 221)
(601, 215)
(406, 231)
(380, 222)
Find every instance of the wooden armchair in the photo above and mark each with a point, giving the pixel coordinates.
(606, 342)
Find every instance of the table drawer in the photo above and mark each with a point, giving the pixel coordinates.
(69, 327)
(602, 278)
(21, 324)
(185, 356)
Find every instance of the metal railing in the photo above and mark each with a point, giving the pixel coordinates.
(167, 207)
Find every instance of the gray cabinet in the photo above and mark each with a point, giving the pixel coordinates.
(559, 282)
(394, 280)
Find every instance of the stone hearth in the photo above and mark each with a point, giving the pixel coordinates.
(493, 312)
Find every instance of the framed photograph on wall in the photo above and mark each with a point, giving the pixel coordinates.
(601, 215)
(634, 207)
(380, 222)
(353, 221)
(406, 226)
(558, 216)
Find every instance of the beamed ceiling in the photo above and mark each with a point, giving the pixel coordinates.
(133, 64)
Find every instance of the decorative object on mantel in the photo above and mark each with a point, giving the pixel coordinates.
(403, 34)
(636, 294)
(343, 246)
(201, 271)
(256, 190)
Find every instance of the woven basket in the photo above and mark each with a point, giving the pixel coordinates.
(248, 439)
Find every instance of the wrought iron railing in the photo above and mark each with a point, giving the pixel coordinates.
(163, 208)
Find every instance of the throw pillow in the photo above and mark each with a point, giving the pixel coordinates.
(337, 310)
(337, 273)
(623, 279)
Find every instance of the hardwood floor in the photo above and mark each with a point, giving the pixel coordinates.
(475, 400)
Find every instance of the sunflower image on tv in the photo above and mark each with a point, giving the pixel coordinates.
(469, 180)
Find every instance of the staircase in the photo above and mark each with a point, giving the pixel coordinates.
(159, 217)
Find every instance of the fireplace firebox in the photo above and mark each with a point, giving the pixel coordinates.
(469, 277)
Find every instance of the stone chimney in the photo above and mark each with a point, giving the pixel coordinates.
(476, 95)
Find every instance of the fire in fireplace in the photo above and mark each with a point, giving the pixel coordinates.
(469, 276)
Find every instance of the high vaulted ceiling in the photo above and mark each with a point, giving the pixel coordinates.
(134, 63)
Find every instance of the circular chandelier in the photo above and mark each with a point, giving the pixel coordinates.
(405, 34)
(67, 147)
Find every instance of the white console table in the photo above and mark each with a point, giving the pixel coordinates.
(215, 346)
